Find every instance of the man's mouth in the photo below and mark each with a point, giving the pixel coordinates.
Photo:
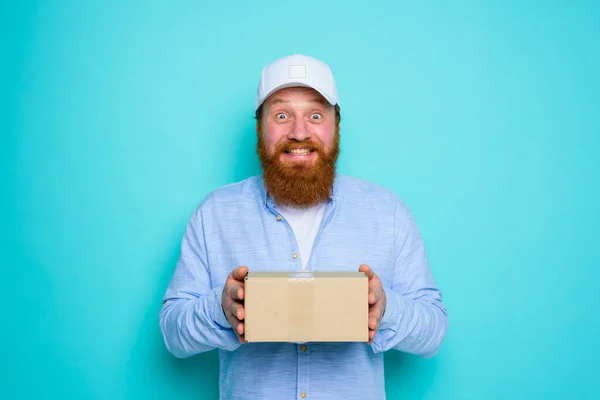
(299, 152)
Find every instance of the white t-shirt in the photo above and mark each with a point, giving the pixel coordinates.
(305, 224)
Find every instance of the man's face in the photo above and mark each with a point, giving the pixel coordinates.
(298, 124)
(298, 146)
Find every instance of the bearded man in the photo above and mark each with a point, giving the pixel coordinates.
(300, 215)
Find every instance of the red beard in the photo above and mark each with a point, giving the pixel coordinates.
(299, 185)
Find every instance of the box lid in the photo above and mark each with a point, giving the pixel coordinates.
(304, 274)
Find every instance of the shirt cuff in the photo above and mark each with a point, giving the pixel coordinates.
(393, 309)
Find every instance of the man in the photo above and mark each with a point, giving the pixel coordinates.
(299, 214)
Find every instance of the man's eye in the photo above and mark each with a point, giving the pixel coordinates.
(316, 116)
(280, 116)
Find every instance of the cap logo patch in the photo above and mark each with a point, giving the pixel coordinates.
(297, 71)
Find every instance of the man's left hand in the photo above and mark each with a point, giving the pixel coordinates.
(377, 300)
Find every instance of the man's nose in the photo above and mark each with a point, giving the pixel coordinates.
(299, 130)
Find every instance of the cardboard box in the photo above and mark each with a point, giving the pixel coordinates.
(306, 307)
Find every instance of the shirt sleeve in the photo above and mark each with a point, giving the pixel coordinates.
(192, 319)
(415, 320)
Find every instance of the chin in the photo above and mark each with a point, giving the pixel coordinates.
(306, 167)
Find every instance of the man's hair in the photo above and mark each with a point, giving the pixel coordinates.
(259, 110)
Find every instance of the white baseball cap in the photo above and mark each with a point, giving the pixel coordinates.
(297, 70)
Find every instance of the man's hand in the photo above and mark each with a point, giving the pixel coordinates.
(232, 300)
(377, 300)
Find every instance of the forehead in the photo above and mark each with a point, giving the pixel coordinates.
(296, 95)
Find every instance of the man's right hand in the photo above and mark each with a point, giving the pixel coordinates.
(232, 300)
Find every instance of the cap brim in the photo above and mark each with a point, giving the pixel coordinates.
(296, 84)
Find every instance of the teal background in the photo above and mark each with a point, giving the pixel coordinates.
(118, 117)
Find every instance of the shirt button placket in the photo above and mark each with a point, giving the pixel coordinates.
(303, 366)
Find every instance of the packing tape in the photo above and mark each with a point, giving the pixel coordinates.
(301, 276)
(301, 322)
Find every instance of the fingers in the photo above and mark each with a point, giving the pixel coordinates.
(376, 294)
(237, 310)
(238, 328)
(232, 302)
(371, 337)
(373, 323)
(237, 292)
(373, 297)
(235, 316)
(239, 273)
(375, 315)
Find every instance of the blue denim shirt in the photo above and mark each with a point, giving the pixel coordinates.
(363, 224)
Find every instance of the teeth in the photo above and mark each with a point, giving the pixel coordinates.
(299, 151)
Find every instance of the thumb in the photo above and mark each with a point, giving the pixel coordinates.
(239, 273)
(367, 270)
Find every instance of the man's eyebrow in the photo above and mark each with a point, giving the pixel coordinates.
(279, 100)
(320, 100)
(315, 99)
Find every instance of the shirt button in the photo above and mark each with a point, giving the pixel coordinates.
(278, 218)
(294, 255)
(303, 348)
(303, 395)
